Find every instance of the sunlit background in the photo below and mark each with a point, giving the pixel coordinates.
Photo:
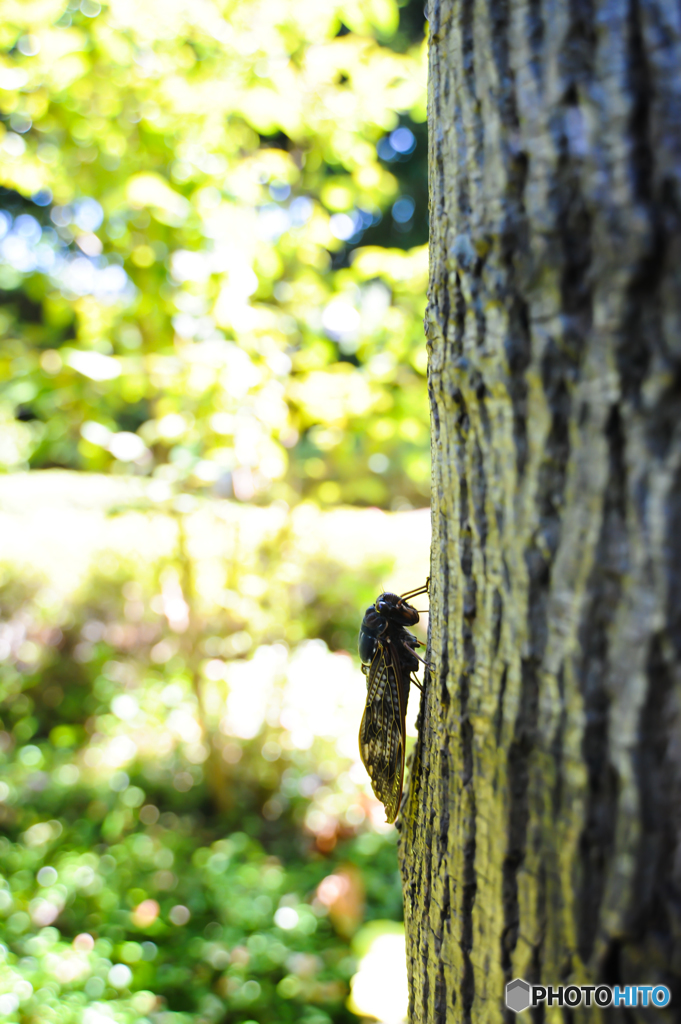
(214, 441)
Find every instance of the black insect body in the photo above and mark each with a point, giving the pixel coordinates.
(387, 651)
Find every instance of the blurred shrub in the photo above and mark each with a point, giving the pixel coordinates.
(187, 833)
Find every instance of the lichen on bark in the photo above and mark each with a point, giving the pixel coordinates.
(540, 831)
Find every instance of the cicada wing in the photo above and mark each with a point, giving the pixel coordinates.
(382, 736)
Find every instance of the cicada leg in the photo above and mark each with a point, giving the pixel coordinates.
(425, 589)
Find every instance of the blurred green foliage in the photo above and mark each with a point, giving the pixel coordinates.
(213, 217)
(213, 267)
(187, 833)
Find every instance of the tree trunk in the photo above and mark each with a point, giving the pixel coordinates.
(540, 836)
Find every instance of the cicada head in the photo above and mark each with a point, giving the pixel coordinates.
(396, 609)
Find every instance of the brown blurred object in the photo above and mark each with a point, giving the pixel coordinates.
(342, 893)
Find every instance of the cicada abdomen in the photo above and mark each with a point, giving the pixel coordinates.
(387, 651)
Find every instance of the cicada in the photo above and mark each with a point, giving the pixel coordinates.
(388, 653)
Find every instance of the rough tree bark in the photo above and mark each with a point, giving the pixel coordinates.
(540, 834)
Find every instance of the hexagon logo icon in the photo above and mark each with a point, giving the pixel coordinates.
(517, 995)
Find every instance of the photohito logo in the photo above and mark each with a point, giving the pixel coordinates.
(520, 995)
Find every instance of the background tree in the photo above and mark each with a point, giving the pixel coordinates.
(540, 837)
(212, 242)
